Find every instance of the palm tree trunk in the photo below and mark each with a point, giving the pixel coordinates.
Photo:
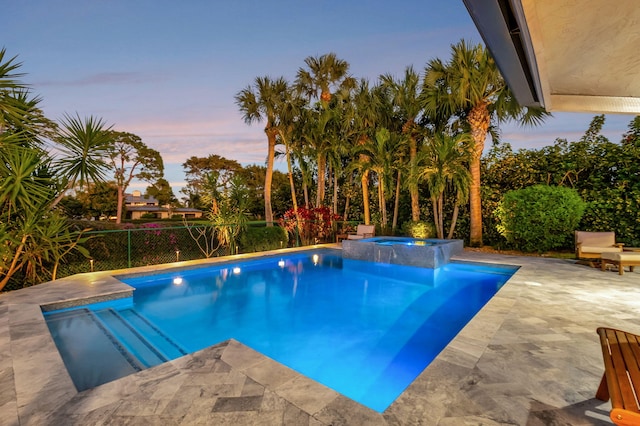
(479, 120)
(322, 165)
(437, 215)
(381, 200)
(304, 169)
(268, 213)
(396, 204)
(434, 204)
(365, 197)
(335, 192)
(328, 184)
(413, 187)
(294, 199)
(454, 219)
(441, 215)
(348, 198)
(475, 205)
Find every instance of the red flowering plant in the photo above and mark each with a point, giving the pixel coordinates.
(316, 224)
(156, 240)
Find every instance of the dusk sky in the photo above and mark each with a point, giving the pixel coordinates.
(168, 71)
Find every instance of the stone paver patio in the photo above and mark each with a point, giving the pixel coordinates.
(530, 357)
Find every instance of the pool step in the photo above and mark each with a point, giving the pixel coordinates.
(160, 341)
(103, 360)
(135, 343)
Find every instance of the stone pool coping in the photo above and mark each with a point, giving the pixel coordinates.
(530, 356)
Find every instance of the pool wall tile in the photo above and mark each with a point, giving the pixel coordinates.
(86, 301)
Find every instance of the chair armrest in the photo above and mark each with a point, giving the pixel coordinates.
(367, 235)
(619, 244)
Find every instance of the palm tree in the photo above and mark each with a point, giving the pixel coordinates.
(319, 134)
(471, 87)
(443, 163)
(406, 98)
(261, 103)
(289, 117)
(326, 75)
(85, 147)
(10, 110)
(380, 158)
(400, 166)
(362, 117)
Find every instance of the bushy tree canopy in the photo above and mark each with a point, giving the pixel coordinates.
(540, 217)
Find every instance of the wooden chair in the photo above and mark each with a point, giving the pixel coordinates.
(621, 378)
(591, 245)
(363, 231)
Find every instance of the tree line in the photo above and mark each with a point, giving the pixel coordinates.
(604, 173)
(345, 135)
(414, 141)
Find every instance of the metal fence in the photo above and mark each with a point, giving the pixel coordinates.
(155, 244)
(127, 248)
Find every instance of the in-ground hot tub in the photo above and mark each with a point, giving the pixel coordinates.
(427, 253)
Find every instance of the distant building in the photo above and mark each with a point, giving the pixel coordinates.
(187, 213)
(137, 205)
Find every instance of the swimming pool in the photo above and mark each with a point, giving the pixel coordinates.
(364, 329)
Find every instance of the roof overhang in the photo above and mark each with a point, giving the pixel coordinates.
(570, 55)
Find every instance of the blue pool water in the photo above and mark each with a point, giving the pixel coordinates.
(363, 329)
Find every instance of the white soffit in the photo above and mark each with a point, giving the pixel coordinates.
(587, 53)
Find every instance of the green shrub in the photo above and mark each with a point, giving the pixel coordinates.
(420, 229)
(262, 238)
(540, 217)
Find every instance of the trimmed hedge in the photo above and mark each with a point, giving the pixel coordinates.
(540, 217)
(262, 238)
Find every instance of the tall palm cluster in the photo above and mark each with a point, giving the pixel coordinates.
(421, 130)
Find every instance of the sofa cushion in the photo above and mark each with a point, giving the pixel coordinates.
(600, 249)
(622, 256)
(595, 239)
